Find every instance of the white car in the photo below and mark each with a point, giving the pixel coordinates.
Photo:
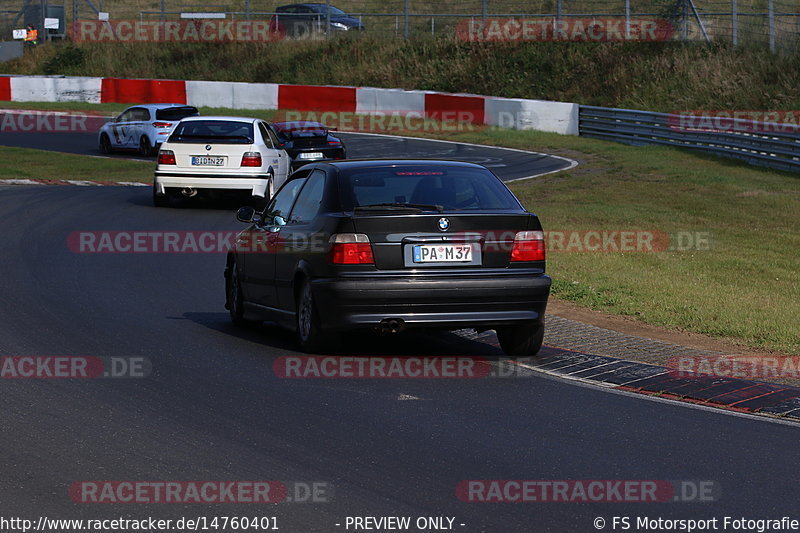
(142, 127)
(219, 153)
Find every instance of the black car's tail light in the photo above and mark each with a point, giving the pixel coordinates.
(251, 159)
(351, 249)
(166, 157)
(528, 246)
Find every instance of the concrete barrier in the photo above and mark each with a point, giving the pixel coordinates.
(371, 100)
(233, 95)
(539, 115)
(56, 89)
(317, 98)
(513, 113)
(5, 89)
(125, 91)
(456, 107)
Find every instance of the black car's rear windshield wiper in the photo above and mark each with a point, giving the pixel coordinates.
(398, 205)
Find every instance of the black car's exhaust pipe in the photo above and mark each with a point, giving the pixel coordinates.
(391, 325)
(189, 192)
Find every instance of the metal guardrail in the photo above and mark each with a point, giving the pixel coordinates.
(767, 144)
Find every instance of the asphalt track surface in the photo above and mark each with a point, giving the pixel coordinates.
(213, 409)
(508, 164)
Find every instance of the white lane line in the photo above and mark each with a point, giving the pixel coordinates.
(572, 162)
(83, 183)
(79, 183)
(21, 182)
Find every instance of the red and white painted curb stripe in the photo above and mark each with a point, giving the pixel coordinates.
(79, 183)
(515, 113)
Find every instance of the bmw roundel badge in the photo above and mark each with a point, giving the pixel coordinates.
(208, 147)
(444, 224)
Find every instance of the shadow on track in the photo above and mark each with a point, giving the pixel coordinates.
(360, 342)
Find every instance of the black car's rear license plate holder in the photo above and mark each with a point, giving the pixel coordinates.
(412, 255)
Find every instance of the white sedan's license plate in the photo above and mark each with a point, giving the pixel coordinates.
(208, 161)
(310, 155)
(442, 253)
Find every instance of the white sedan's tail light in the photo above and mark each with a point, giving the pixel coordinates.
(251, 159)
(166, 157)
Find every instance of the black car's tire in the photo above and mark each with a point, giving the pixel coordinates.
(105, 145)
(145, 150)
(521, 340)
(234, 297)
(310, 335)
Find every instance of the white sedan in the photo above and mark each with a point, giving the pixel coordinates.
(206, 154)
(142, 127)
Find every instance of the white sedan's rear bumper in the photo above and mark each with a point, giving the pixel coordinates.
(257, 185)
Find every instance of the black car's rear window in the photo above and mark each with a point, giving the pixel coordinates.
(218, 131)
(296, 130)
(176, 113)
(451, 187)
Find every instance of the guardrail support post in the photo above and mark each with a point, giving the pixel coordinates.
(771, 15)
(685, 31)
(405, 19)
(734, 23)
(627, 19)
(558, 12)
(328, 18)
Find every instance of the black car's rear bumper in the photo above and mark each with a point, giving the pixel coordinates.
(479, 299)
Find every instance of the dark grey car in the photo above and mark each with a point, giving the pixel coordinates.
(305, 20)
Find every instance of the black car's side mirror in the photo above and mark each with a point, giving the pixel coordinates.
(248, 215)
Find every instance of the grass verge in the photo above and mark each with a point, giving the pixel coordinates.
(669, 76)
(744, 288)
(26, 163)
